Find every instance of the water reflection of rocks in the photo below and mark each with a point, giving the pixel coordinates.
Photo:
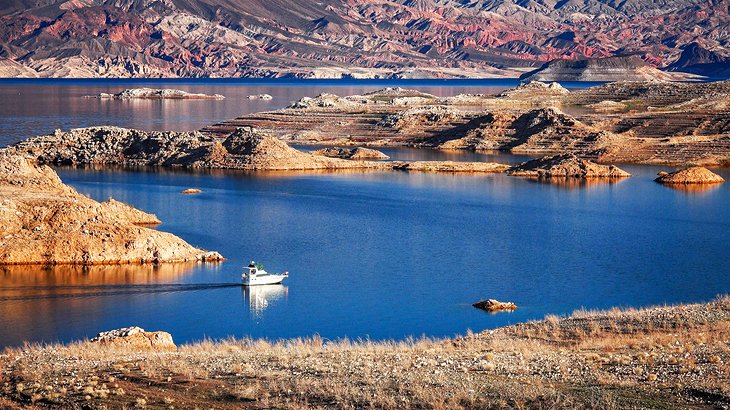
(259, 298)
(570, 183)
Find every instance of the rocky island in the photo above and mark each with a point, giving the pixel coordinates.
(566, 166)
(156, 94)
(691, 175)
(43, 221)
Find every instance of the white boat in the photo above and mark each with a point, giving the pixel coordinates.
(254, 274)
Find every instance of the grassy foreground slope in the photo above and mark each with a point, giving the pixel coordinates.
(662, 357)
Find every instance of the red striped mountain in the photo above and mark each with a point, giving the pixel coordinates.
(328, 38)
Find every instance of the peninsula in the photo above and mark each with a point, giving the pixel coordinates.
(44, 221)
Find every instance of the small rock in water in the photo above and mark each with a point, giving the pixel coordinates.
(260, 97)
(493, 305)
(211, 256)
(191, 191)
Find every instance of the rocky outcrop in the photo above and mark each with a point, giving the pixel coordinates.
(135, 339)
(324, 100)
(493, 305)
(566, 166)
(156, 94)
(358, 153)
(43, 221)
(618, 68)
(419, 118)
(691, 175)
(535, 132)
(535, 89)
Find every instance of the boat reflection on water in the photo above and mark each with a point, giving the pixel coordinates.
(260, 297)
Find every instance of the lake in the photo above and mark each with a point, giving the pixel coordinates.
(378, 255)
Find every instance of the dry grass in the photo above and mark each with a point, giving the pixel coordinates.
(672, 356)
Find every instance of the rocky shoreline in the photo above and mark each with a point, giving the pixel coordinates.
(661, 357)
(642, 122)
(244, 149)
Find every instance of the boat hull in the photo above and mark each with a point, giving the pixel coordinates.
(263, 280)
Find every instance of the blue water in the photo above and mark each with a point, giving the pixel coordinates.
(377, 255)
(382, 255)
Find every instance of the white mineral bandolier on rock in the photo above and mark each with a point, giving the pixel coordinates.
(254, 274)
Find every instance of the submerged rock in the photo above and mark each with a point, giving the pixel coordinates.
(358, 153)
(135, 338)
(691, 175)
(157, 94)
(566, 166)
(493, 305)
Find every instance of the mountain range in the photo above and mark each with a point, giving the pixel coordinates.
(354, 38)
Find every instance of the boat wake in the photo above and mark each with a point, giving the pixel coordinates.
(69, 291)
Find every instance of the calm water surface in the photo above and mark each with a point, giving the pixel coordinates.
(380, 255)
